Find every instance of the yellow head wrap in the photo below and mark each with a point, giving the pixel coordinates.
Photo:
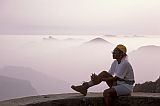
(122, 48)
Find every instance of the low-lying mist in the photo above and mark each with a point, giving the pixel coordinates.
(51, 65)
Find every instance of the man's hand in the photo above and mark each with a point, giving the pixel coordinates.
(96, 80)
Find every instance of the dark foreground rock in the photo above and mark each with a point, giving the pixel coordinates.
(92, 99)
(148, 87)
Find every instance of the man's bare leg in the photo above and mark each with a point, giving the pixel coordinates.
(108, 94)
(95, 79)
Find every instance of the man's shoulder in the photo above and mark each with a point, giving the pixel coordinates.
(126, 62)
(114, 62)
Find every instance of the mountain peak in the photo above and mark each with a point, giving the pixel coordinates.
(98, 40)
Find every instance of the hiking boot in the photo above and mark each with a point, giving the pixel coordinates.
(81, 88)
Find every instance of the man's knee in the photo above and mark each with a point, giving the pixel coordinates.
(105, 74)
(106, 93)
(109, 92)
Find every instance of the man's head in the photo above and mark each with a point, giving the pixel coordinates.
(119, 51)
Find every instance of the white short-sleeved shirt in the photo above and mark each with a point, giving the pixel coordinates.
(123, 70)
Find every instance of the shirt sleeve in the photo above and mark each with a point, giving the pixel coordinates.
(112, 69)
(122, 70)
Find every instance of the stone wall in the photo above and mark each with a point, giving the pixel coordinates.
(92, 99)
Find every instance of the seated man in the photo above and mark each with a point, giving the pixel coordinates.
(119, 78)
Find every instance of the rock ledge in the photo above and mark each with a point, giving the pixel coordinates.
(92, 99)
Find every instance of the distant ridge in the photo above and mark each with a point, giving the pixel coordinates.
(41, 82)
(98, 40)
(13, 88)
(153, 47)
(146, 60)
(109, 35)
(50, 38)
(148, 49)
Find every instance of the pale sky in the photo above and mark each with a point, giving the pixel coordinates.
(80, 17)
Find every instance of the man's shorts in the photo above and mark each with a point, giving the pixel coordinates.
(122, 89)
